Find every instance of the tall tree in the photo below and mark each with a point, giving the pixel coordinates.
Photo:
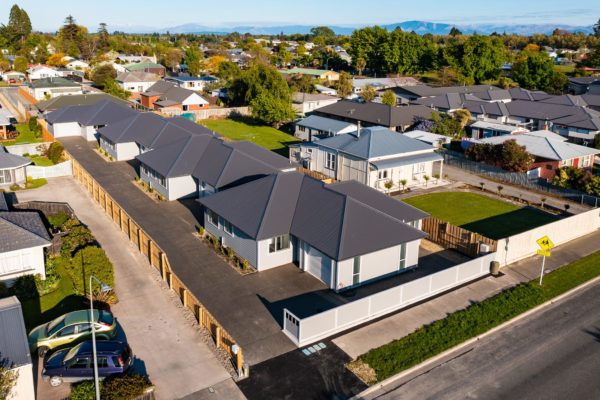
(368, 93)
(597, 29)
(361, 64)
(173, 58)
(193, 60)
(344, 85)
(104, 73)
(103, 36)
(20, 64)
(389, 98)
(455, 32)
(19, 24)
(478, 58)
(71, 36)
(533, 70)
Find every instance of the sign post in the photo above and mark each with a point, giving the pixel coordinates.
(545, 246)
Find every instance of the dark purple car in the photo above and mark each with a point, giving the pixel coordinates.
(77, 363)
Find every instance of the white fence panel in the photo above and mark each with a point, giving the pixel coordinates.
(63, 169)
(351, 314)
(28, 148)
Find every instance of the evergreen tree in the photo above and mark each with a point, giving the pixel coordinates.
(389, 98)
(103, 36)
(193, 60)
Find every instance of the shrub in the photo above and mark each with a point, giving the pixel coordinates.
(14, 187)
(25, 288)
(245, 264)
(78, 236)
(4, 291)
(58, 220)
(229, 252)
(88, 261)
(85, 390)
(201, 231)
(52, 278)
(124, 387)
(151, 189)
(55, 151)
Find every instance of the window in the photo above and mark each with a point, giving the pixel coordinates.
(80, 363)
(279, 243)
(69, 330)
(301, 128)
(418, 169)
(102, 362)
(5, 177)
(585, 162)
(402, 264)
(84, 328)
(213, 218)
(356, 271)
(227, 226)
(330, 161)
(549, 167)
(382, 174)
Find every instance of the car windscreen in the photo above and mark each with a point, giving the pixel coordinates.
(55, 325)
(106, 318)
(72, 353)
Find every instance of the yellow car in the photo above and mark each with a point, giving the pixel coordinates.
(71, 328)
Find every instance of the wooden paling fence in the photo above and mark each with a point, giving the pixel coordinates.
(454, 237)
(158, 259)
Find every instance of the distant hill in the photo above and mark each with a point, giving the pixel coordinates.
(420, 27)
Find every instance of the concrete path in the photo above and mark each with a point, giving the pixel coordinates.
(404, 322)
(169, 347)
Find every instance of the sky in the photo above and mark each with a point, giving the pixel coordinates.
(161, 14)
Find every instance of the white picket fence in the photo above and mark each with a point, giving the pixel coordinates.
(63, 169)
(303, 331)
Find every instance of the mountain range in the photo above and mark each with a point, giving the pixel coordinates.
(420, 27)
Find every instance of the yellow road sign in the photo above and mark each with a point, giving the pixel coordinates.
(545, 243)
(545, 253)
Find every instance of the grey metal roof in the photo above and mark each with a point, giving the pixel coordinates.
(375, 113)
(53, 82)
(427, 91)
(73, 100)
(266, 156)
(169, 93)
(374, 142)
(22, 230)
(137, 76)
(408, 160)
(191, 126)
(11, 161)
(493, 125)
(101, 113)
(178, 158)
(132, 128)
(14, 347)
(325, 124)
(342, 220)
(300, 97)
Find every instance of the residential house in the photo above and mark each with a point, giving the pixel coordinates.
(314, 127)
(358, 84)
(14, 348)
(551, 151)
(23, 238)
(164, 95)
(373, 156)
(484, 129)
(375, 114)
(325, 90)
(432, 139)
(137, 81)
(584, 84)
(85, 120)
(13, 77)
(322, 74)
(48, 88)
(55, 103)
(134, 59)
(147, 66)
(344, 234)
(195, 83)
(12, 168)
(6, 124)
(40, 71)
(414, 92)
(304, 103)
(78, 65)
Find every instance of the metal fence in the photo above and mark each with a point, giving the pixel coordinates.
(518, 178)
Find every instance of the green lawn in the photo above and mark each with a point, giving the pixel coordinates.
(25, 136)
(265, 136)
(41, 161)
(482, 214)
(478, 318)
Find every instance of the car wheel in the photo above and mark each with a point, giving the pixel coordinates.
(42, 351)
(55, 381)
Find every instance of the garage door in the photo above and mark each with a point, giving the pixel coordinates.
(319, 265)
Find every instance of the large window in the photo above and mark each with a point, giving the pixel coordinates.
(227, 226)
(5, 176)
(418, 169)
(356, 271)
(402, 264)
(382, 174)
(213, 218)
(279, 243)
(330, 161)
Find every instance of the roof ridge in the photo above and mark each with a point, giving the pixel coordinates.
(269, 201)
(342, 227)
(20, 227)
(180, 153)
(136, 116)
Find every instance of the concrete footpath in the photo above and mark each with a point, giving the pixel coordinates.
(406, 321)
(169, 347)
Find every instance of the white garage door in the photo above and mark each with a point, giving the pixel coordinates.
(319, 265)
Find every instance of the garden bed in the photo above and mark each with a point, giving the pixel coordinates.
(239, 264)
(148, 191)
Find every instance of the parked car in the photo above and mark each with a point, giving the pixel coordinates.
(77, 363)
(71, 328)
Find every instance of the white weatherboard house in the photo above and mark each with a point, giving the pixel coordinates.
(48, 88)
(344, 234)
(136, 81)
(304, 103)
(14, 348)
(12, 168)
(85, 120)
(374, 156)
(23, 238)
(41, 72)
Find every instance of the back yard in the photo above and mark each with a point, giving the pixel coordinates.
(490, 217)
(265, 136)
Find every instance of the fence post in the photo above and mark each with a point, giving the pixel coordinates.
(218, 336)
(240, 359)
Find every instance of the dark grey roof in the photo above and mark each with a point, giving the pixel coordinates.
(53, 82)
(101, 113)
(191, 126)
(11, 161)
(178, 158)
(260, 153)
(160, 87)
(74, 100)
(169, 93)
(574, 116)
(374, 142)
(262, 209)
(566, 99)
(342, 220)
(132, 128)
(325, 124)
(427, 91)
(14, 347)
(21, 230)
(375, 113)
(584, 80)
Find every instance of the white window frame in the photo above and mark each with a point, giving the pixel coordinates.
(212, 217)
(402, 261)
(330, 161)
(356, 267)
(227, 227)
(382, 174)
(278, 242)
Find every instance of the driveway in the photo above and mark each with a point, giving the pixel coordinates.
(167, 346)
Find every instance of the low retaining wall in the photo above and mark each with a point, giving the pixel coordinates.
(304, 331)
(28, 148)
(65, 168)
(523, 245)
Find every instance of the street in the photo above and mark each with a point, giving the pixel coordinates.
(554, 354)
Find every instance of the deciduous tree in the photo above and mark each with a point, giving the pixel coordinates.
(389, 98)
(368, 93)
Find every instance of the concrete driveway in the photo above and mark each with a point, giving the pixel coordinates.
(167, 346)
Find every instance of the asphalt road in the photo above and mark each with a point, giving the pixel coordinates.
(554, 354)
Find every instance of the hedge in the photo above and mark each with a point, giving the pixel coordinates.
(478, 318)
(88, 261)
(116, 387)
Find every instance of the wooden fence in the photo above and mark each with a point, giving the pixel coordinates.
(453, 237)
(315, 174)
(158, 259)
